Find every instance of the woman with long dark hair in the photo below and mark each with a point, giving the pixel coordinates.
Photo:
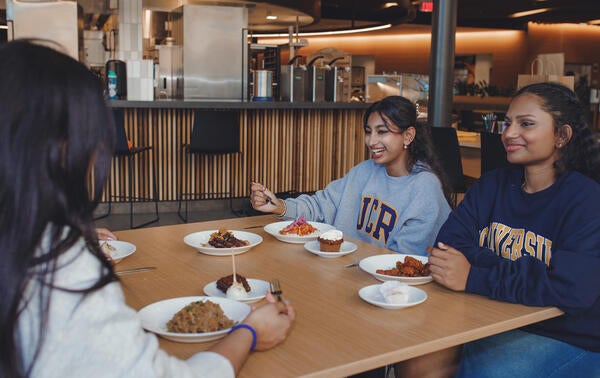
(530, 234)
(396, 199)
(62, 311)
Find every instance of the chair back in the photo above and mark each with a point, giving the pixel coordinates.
(121, 147)
(215, 132)
(445, 144)
(493, 154)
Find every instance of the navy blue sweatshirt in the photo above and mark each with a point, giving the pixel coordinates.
(540, 249)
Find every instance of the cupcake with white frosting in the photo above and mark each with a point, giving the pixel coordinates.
(331, 241)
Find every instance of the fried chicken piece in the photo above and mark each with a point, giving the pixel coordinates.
(410, 267)
(411, 261)
(408, 271)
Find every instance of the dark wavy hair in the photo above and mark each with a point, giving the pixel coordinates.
(402, 113)
(582, 152)
(56, 138)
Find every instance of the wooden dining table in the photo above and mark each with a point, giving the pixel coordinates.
(336, 333)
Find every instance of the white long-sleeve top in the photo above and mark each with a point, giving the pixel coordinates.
(97, 335)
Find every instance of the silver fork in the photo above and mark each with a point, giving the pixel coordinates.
(276, 289)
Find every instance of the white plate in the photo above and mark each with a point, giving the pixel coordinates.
(371, 264)
(258, 290)
(155, 316)
(346, 248)
(121, 250)
(274, 228)
(199, 240)
(372, 295)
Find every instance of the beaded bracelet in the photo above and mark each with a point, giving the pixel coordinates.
(284, 209)
(249, 328)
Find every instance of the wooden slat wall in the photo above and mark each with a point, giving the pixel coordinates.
(287, 150)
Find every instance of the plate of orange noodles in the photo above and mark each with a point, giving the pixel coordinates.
(300, 234)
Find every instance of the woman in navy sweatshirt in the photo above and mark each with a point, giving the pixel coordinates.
(530, 234)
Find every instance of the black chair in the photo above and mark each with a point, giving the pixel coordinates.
(445, 144)
(493, 154)
(122, 151)
(214, 132)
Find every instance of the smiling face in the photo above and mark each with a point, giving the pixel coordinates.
(529, 136)
(386, 143)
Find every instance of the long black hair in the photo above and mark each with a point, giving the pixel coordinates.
(582, 152)
(402, 113)
(56, 138)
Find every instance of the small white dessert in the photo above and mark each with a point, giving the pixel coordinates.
(236, 291)
(332, 235)
(394, 292)
(331, 241)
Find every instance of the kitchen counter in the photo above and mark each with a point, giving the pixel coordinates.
(297, 147)
(470, 152)
(233, 104)
(488, 103)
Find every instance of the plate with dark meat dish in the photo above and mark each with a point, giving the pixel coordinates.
(410, 269)
(253, 289)
(222, 242)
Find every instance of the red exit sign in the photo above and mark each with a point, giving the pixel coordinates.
(426, 6)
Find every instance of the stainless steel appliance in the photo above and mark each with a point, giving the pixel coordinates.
(93, 44)
(316, 81)
(335, 82)
(170, 71)
(293, 83)
(213, 56)
(56, 21)
(262, 57)
(262, 85)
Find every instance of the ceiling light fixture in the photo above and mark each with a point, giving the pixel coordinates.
(529, 12)
(390, 4)
(270, 16)
(333, 32)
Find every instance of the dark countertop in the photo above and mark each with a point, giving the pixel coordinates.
(460, 103)
(482, 104)
(233, 104)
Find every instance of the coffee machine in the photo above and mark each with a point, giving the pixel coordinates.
(316, 80)
(334, 81)
(293, 85)
(262, 85)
